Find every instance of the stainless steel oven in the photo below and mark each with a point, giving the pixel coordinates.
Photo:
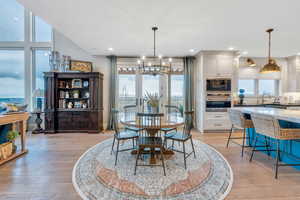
(217, 106)
(218, 85)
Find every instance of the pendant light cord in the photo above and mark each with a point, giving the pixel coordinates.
(269, 52)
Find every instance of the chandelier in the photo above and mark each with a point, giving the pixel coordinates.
(156, 64)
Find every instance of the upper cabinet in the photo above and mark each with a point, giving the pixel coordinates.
(218, 65)
(293, 74)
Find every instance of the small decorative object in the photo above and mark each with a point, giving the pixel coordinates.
(11, 108)
(85, 84)
(241, 96)
(6, 149)
(86, 95)
(70, 105)
(38, 122)
(81, 66)
(67, 85)
(152, 102)
(76, 83)
(11, 137)
(84, 105)
(77, 104)
(54, 61)
(76, 94)
(67, 95)
(66, 63)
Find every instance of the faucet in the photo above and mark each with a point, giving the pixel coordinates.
(263, 97)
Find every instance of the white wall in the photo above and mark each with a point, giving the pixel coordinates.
(100, 64)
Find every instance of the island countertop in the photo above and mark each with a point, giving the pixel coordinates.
(282, 114)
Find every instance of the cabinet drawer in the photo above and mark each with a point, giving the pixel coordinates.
(217, 125)
(221, 116)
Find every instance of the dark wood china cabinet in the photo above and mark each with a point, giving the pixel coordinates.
(73, 102)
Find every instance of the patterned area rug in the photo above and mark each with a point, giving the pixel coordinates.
(208, 176)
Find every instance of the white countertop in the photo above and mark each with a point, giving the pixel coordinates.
(283, 114)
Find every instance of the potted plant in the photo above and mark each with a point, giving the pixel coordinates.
(11, 137)
(152, 102)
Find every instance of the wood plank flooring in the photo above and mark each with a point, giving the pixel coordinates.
(45, 172)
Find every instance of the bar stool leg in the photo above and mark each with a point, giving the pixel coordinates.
(117, 153)
(229, 136)
(243, 146)
(277, 159)
(255, 140)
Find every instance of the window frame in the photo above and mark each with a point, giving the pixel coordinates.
(256, 87)
(28, 45)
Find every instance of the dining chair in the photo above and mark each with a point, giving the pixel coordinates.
(130, 114)
(121, 136)
(270, 127)
(183, 136)
(148, 141)
(172, 111)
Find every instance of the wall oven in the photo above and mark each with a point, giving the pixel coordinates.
(217, 106)
(215, 85)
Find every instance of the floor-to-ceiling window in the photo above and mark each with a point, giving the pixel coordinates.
(25, 42)
(176, 93)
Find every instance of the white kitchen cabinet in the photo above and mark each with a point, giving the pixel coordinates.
(218, 121)
(218, 65)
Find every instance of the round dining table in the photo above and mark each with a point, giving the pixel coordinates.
(167, 121)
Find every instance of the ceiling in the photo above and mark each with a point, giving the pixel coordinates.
(125, 25)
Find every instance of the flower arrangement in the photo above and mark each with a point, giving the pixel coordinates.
(152, 100)
(11, 137)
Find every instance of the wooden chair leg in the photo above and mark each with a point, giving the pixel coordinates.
(255, 140)
(184, 155)
(118, 144)
(229, 136)
(193, 147)
(162, 159)
(113, 144)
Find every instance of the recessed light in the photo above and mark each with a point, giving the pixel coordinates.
(192, 50)
(143, 57)
(230, 48)
(138, 61)
(110, 49)
(245, 52)
(160, 56)
(170, 59)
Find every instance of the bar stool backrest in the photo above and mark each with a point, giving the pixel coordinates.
(266, 125)
(237, 118)
(188, 122)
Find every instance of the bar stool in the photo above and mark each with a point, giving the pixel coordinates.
(238, 120)
(270, 128)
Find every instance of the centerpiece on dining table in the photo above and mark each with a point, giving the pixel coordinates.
(152, 100)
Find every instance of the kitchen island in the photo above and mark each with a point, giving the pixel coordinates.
(287, 119)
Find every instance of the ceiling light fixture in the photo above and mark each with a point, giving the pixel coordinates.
(245, 52)
(230, 48)
(192, 50)
(156, 64)
(110, 49)
(271, 66)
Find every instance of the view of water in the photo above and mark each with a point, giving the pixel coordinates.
(12, 100)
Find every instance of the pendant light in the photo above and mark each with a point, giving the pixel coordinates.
(250, 62)
(271, 66)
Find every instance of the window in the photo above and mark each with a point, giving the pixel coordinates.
(12, 76)
(150, 84)
(248, 86)
(177, 84)
(267, 87)
(18, 85)
(11, 21)
(127, 90)
(42, 30)
(41, 63)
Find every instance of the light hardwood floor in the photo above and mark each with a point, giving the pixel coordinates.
(45, 172)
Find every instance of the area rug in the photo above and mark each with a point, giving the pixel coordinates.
(207, 177)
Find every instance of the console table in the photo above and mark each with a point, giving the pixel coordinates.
(21, 120)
